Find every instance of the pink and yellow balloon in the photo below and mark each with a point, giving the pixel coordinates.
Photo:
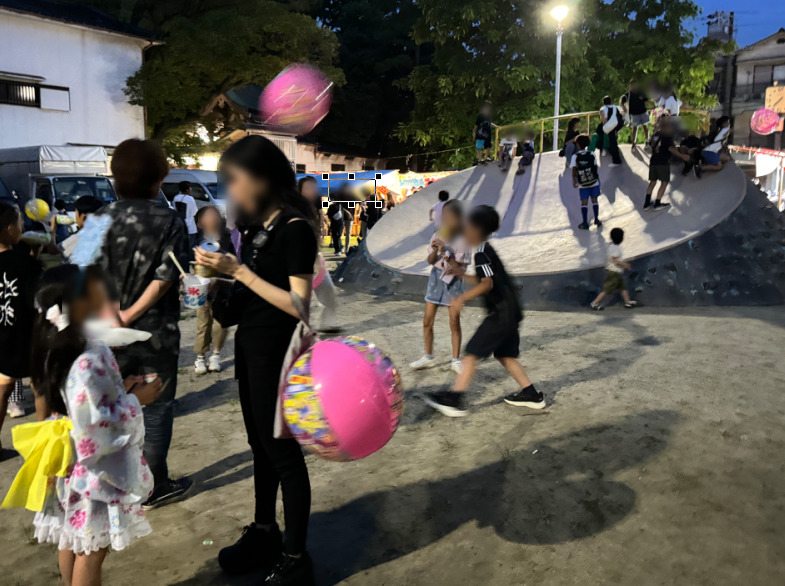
(296, 100)
(764, 121)
(343, 399)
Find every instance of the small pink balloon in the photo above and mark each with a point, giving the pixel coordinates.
(764, 121)
(296, 100)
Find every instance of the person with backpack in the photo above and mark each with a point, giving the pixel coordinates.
(612, 122)
(483, 128)
(586, 178)
(185, 205)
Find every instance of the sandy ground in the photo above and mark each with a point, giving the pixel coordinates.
(658, 461)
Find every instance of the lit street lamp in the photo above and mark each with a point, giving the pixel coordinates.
(559, 13)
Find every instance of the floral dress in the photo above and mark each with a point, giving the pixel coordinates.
(99, 503)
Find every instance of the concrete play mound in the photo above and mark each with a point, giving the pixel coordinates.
(541, 211)
(720, 243)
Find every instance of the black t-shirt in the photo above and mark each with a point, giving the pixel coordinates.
(136, 252)
(502, 300)
(19, 274)
(660, 153)
(570, 135)
(483, 124)
(290, 250)
(636, 103)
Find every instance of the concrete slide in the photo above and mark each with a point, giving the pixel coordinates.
(558, 264)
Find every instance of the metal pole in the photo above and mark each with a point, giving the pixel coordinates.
(559, 32)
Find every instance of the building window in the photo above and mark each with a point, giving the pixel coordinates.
(18, 93)
(368, 167)
(299, 168)
(337, 167)
(764, 77)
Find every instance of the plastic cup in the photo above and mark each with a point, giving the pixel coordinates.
(195, 291)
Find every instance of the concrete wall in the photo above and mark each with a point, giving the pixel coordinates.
(317, 161)
(93, 65)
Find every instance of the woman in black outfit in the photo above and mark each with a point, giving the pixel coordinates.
(278, 254)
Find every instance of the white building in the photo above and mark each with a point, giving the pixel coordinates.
(63, 67)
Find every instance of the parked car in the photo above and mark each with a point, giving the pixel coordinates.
(56, 172)
(205, 188)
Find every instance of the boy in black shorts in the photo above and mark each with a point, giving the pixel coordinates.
(498, 333)
(662, 147)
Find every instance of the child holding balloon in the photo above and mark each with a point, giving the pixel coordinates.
(498, 333)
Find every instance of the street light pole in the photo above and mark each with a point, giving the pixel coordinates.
(559, 13)
(559, 33)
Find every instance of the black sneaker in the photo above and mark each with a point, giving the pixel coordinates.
(448, 403)
(527, 397)
(698, 170)
(687, 168)
(597, 223)
(291, 571)
(257, 549)
(647, 207)
(583, 226)
(658, 205)
(168, 492)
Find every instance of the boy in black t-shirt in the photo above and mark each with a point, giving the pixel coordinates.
(18, 277)
(662, 147)
(498, 333)
(482, 133)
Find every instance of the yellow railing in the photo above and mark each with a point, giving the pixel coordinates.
(545, 125)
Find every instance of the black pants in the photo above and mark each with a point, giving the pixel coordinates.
(336, 231)
(276, 461)
(613, 144)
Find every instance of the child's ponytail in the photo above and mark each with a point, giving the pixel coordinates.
(56, 343)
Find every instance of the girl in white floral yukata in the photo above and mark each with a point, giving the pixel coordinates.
(97, 504)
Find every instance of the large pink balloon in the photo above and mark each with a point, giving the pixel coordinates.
(296, 100)
(343, 399)
(764, 121)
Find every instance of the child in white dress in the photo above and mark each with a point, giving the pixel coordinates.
(97, 503)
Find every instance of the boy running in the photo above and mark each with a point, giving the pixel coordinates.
(586, 178)
(614, 273)
(498, 333)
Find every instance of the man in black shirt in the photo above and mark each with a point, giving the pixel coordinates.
(498, 333)
(144, 280)
(482, 133)
(662, 148)
(634, 101)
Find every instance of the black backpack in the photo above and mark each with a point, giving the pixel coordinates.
(182, 209)
(586, 166)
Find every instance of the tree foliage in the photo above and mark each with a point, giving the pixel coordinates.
(504, 51)
(210, 47)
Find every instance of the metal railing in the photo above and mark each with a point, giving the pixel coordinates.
(541, 124)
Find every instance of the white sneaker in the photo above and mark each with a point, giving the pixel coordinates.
(456, 366)
(604, 153)
(215, 363)
(612, 165)
(15, 410)
(199, 365)
(426, 361)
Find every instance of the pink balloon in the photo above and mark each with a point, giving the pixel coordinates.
(296, 100)
(320, 274)
(764, 121)
(343, 399)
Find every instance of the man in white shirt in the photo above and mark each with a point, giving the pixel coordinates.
(186, 208)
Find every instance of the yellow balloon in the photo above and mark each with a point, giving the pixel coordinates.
(37, 209)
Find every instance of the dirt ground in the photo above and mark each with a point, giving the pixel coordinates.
(658, 461)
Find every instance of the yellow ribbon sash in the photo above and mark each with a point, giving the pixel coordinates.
(48, 452)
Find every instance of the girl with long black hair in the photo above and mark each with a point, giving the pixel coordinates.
(278, 253)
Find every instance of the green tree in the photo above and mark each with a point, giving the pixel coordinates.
(210, 47)
(376, 52)
(504, 51)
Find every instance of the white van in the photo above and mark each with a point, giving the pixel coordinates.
(204, 187)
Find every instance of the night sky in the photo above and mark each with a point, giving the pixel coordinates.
(755, 19)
